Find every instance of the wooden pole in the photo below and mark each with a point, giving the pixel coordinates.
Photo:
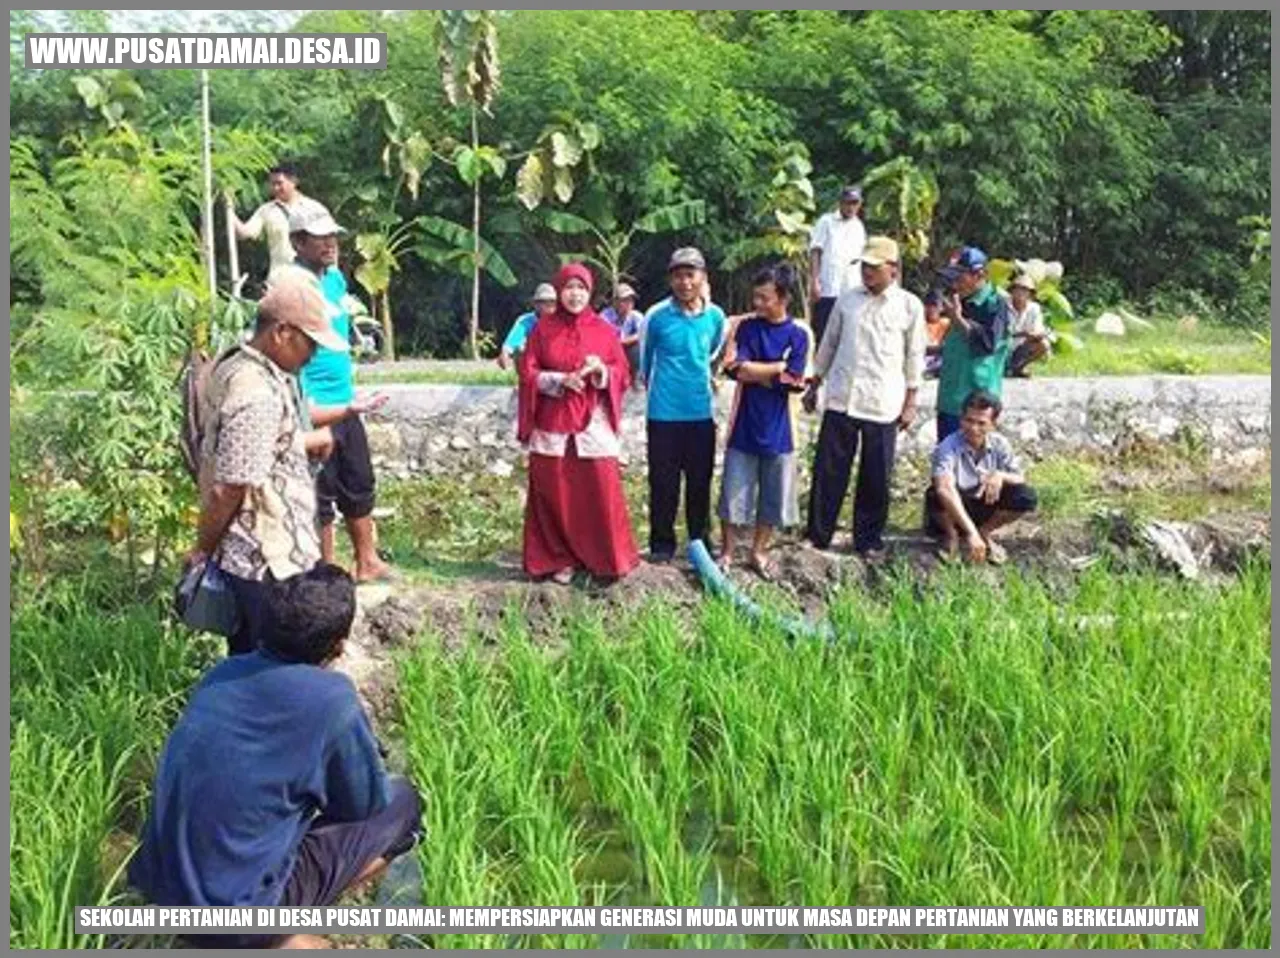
(207, 224)
(233, 250)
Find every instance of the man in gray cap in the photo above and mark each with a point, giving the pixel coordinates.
(626, 319)
(679, 342)
(544, 302)
(328, 385)
(834, 252)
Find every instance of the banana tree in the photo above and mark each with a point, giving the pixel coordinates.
(406, 154)
(467, 45)
(609, 247)
(784, 213)
(381, 253)
(900, 199)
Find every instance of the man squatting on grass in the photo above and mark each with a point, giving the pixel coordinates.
(872, 359)
(977, 484)
(769, 354)
(328, 383)
(680, 339)
(270, 789)
(257, 492)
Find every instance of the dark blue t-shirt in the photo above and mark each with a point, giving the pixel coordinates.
(263, 747)
(762, 424)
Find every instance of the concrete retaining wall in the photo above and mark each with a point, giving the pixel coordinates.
(441, 428)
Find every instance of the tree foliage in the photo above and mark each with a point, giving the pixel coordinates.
(1129, 145)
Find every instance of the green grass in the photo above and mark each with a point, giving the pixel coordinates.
(94, 691)
(373, 375)
(454, 526)
(1207, 348)
(960, 744)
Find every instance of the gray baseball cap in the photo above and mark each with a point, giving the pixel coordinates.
(687, 256)
(545, 293)
(316, 221)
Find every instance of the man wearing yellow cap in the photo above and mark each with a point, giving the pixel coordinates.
(871, 359)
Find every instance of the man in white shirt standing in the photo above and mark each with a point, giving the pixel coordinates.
(838, 240)
(871, 358)
(272, 217)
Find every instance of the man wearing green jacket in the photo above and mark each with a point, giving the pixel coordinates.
(977, 343)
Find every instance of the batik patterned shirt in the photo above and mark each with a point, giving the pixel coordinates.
(254, 437)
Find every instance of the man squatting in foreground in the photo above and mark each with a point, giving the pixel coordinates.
(270, 789)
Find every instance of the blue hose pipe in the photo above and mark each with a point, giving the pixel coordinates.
(715, 581)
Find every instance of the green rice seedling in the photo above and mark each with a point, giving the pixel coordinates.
(994, 741)
(63, 801)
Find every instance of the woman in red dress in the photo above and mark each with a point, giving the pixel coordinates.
(573, 377)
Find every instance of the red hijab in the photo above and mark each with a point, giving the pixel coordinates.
(561, 342)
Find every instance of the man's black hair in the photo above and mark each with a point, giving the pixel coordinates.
(285, 169)
(308, 615)
(980, 400)
(781, 275)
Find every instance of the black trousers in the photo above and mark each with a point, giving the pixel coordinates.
(821, 313)
(838, 442)
(346, 479)
(251, 598)
(1021, 499)
(679, 449)
(332, 856)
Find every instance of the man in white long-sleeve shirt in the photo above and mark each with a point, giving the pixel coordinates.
(272, 217)
(871, 358)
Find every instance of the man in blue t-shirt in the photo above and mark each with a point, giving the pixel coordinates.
(679, 341)
(544, 304)
(328, 384)
(770, 353)
(270, 789)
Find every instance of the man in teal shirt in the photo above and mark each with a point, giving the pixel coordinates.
(977, 343)
(544, 304)
(680, 339)
(328, 384)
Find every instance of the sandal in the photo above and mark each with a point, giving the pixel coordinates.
(563, 577)
(996, 554)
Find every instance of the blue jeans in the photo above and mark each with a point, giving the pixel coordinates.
(947, 424)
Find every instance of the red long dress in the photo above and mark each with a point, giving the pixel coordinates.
(576, 514)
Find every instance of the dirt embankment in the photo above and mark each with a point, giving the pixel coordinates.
(393, 617)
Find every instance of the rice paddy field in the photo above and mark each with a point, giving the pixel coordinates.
(1026, 738)
(1105, 742)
